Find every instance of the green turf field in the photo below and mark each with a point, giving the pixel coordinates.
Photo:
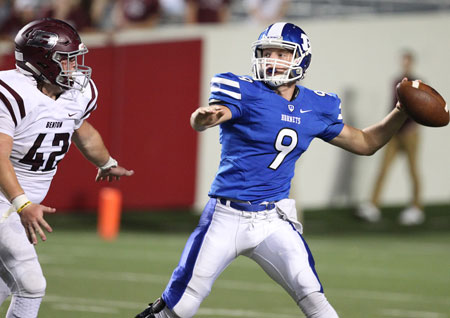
(373, 271)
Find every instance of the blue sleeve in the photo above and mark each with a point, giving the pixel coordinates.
(226, 90)
(330, 109)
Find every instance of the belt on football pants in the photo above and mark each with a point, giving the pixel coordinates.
(248, 207)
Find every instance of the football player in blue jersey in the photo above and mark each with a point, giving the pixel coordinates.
(266, 122)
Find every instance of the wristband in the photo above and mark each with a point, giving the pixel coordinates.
(109, 164)
(20, 202)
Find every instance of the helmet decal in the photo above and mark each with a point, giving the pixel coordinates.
(44, 39)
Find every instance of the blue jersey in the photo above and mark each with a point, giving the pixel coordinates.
(266, 135)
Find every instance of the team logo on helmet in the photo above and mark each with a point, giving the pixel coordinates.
(39, 38)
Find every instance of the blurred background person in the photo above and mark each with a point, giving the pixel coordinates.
(266, 11)
(207, 11)
(173, 11)
(5, 12)
(101, 14)
(74, 12)
(17, 13)
(406, 141)
(342, 191)
(136, 13)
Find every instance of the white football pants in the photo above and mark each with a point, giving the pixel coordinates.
(19, 266)
(271, 238)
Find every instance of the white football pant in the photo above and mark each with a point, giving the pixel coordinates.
(20, 271)
(271, 238)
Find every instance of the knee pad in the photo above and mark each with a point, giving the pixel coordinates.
(26, 281)
(32, 284)
(316, 305)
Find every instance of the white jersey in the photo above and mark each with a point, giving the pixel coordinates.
(41, 128)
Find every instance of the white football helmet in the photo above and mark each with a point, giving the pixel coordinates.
(284, 36)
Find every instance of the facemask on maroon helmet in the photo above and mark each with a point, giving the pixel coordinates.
(51, 51)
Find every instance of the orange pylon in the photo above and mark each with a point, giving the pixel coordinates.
(109, 212)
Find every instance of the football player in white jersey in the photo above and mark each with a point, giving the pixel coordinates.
(266, 122)
(44, 104)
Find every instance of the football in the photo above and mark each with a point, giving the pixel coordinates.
(423, 103)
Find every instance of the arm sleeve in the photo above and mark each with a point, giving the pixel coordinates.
(226, 90)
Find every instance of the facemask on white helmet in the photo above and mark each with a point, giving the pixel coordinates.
(274, 71)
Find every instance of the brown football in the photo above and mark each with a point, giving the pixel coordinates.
(423, 103)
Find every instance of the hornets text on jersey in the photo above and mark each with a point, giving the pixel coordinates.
(41, 127)
(266, 136)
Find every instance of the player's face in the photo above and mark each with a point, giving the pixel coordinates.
(69, 65)
(277, 54)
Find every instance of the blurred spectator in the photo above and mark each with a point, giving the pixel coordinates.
(207, 11)
(266, 11)
(405, 141)
(74, 12)
(342, 190)
(173, 10)
(102, 14)
(18, 13)
(137, 13)
(5, 11)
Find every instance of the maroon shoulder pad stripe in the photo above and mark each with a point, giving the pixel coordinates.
(88, 112)
(93, 96)
(9, 107)
(19, 99)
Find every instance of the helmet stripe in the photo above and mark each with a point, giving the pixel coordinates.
(276, 29)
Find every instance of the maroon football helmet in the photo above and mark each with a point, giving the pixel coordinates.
(43, 46)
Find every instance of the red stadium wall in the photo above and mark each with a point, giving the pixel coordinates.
(146, 95)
